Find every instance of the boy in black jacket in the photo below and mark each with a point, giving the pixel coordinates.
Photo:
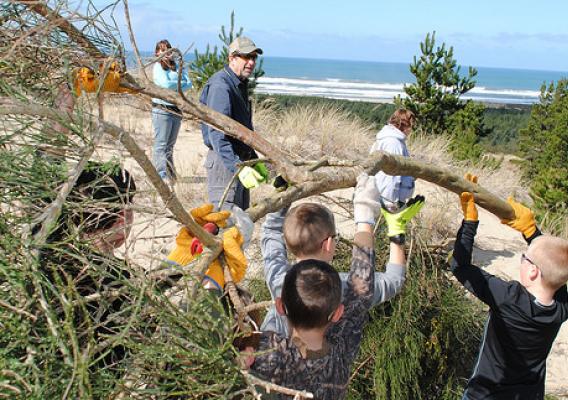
(524, 317)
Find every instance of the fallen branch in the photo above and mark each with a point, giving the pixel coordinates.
(271, 387)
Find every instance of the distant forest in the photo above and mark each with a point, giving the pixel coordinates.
(502, 122)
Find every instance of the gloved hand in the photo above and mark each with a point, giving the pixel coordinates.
(234, 256)
(188, 246)
(250, 178)
(204, 214)
(260, 167)
(366, 204)
(396, 223)
(182, 254)
(87, 81)
(524, 221)
(467, 201)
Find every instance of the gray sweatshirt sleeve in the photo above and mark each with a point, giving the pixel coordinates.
(276, 265)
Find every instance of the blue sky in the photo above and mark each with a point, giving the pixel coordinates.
(497, 33)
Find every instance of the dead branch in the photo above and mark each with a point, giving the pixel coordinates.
(74, 34)
(18, 311)
(133, 41)
(271, 387)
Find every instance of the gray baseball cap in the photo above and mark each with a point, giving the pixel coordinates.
(243, 45)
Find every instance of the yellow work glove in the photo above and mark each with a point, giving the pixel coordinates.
(204, 214)
(524, 221)
(468, 203)
(234, 256)
(250, 178)
(182, 254)
(187, 246)
(87, 81)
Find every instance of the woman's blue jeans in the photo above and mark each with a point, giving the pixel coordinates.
(166, 128)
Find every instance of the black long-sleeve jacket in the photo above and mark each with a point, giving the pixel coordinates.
(518, 333)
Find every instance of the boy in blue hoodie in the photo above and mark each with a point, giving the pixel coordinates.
(394, 190)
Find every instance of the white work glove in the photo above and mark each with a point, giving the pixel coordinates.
(366, 200)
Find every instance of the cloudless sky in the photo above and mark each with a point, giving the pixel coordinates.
(493, 33)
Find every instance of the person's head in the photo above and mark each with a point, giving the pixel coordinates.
(311, 295)
(242, 56)
(97, 207)
(167, 61)
(545, 263)
(309, 232)
(403, 120)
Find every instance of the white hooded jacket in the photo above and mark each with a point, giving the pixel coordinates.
(393, 188)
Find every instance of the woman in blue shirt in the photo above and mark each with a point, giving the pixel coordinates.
(166, 117)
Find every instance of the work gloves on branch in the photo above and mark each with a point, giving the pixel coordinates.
(397, 221)
(367, 206)
(235, 238)
(86, 80)
(252, 177)
(523, 222)
(467, 201)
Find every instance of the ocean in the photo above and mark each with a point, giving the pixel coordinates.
(381, 81)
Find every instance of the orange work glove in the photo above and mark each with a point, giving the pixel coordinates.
(524, 221)
(203, 214)
(467, 201)
(182, 254)
(234, 256)
(87, 81)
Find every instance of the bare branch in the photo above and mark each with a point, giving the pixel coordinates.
(42, 9)
(133, 41)
(271, 387)
(18, 311)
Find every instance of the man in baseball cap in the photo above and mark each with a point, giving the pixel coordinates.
(227, 92)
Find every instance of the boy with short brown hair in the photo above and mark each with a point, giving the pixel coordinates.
(325, 329)
(524, 317)
(308, 230)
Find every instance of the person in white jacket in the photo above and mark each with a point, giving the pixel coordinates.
(394, 190)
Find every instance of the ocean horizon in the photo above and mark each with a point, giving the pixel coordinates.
(373, 81)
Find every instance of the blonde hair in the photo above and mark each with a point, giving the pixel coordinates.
(402, 119)
(305, 228)
(550, 255)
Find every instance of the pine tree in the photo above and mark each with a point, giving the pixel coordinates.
(544, 147)
(435, 99)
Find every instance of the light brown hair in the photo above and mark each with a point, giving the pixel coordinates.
(305, 228)
(402, 119)
(550, 255)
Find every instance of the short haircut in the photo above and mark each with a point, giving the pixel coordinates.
(402, 119)
(311, 293)
(305, 228)
(550, 255)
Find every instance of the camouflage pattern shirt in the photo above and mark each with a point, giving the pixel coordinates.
(325, 372)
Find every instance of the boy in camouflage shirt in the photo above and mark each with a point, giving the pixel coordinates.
(326, 331)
